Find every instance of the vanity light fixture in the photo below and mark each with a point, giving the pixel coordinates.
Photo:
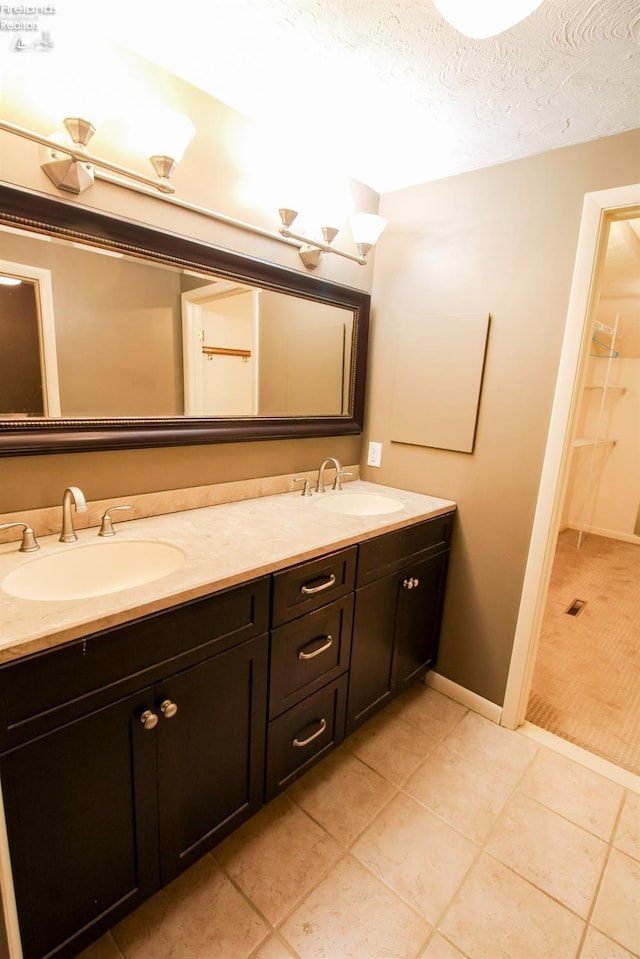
(71, 168)
(366, 229)
(480, 19)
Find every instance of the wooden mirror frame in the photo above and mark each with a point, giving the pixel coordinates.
(44, 214)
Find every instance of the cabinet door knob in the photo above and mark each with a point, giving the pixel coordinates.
(149, 719)
(416, 582)
(407, 583)
(318, 732)
(168, 709)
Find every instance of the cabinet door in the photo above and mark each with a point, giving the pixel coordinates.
(371, 684)
(210, 752)
(418, 619)
(395, 635)
(81, 813)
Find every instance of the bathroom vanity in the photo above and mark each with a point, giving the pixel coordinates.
(136, 736)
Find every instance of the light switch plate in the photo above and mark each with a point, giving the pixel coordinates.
(375, 454)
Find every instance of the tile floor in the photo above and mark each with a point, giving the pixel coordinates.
(432, 833)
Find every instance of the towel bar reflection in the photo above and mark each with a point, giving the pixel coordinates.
(211, 351)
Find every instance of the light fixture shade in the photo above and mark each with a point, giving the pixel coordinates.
(366, 228)
(165, 133)
(480, 19)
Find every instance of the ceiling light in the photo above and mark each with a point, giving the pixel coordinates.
(480, 19)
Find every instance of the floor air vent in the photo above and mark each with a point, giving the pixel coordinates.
(576, 607)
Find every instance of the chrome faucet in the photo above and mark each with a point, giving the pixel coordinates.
(75, 495)
(323, 466)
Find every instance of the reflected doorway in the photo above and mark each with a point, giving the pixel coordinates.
(29, 370)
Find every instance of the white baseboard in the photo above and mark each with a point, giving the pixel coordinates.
(600, 531)
(460, 694)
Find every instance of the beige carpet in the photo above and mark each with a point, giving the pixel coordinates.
(586, 685)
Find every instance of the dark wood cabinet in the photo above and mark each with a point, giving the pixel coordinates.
(399, 595)
(81, 814)
(126, 755)
(104, 809)
(312, 618)
(210, 753)
(299, 738)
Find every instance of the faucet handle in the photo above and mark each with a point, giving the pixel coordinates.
(106, 528)
(337, 483)
(29, 542)
(306, 489)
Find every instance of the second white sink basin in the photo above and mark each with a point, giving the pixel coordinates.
(358, 504)
(93, 570)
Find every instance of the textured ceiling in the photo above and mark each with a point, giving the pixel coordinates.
(390, 89)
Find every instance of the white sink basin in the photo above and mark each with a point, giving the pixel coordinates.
(93, 570)
(358, 504)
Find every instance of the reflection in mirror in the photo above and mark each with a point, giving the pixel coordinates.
(134, 336)
(138, 339)
(28, 364)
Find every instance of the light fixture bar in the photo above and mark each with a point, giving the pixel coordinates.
(88, 167)
(147, 186)
(195, 208)
(83, 156)
(319, 245)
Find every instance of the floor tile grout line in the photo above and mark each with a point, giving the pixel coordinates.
(605, 865)
(349, 845)
(346, 850)
(115, 943)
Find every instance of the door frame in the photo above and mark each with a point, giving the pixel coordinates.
(191, 310)
(599, 210)
(46, 330)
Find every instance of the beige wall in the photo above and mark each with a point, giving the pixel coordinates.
(322, 329)
(501, 240)
(117, 326)
(219, 173)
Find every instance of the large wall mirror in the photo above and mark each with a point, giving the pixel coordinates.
(115, 334)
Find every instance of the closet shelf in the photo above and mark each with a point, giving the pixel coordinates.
(617, 390)
(582, 441)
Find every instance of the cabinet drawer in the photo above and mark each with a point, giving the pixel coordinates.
(303, 735)
(305, 587)
(308, 653)
(388, 553)
(55, 686)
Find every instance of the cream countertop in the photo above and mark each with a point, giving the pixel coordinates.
(224, 545)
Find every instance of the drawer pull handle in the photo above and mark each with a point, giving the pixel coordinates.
(310, 590)
(168, 708)
(316, 652)
(149, 719)
(318, 732)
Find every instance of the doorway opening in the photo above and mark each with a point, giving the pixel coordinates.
(600, 211)
(586, 681)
